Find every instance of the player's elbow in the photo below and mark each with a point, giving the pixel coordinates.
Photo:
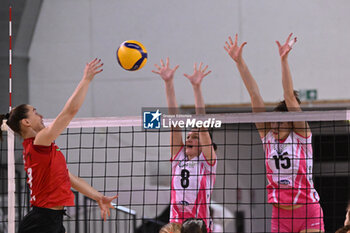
(73, 110)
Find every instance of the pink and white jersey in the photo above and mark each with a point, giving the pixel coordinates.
(191, 186)
(289, 169)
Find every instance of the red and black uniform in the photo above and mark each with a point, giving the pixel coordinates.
(49, 185)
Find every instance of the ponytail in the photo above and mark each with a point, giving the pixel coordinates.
(14, 118)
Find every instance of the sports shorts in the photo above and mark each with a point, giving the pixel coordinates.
(42, 220)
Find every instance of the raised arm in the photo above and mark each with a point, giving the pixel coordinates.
(104, 202)
(204, 137)
(46, 136)
(292, 103)
(257, 102)
(167, 74)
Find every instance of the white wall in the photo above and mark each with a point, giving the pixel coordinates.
(70, 33)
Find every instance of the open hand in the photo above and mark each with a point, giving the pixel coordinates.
(165, 71)
(287, 47)
(234, 50)
(105, 204)
(92, 68)
(198, 74)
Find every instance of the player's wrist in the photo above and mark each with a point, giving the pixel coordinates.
(98, 197)
(86, 79)
(196, 86)
(284, 58)
(169, 82)
(240, 62)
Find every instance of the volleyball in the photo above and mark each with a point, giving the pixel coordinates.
(131, 55)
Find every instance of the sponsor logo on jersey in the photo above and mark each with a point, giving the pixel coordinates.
(186, 163)
(284, 182)
(182, 163)
(184, 203)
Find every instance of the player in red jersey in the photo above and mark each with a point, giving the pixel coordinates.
(49, 180)
(288, 152)
(193, 163)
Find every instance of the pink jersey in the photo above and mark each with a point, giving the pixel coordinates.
(289, 169)
(191, 186)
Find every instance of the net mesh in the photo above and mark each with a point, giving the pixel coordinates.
(117, 156)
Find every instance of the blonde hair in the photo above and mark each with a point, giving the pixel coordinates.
(172, 227)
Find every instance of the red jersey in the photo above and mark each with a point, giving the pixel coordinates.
(48, 177)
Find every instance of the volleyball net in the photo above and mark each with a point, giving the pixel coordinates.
(119, 156)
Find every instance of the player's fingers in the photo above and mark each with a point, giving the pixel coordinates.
(187, 76)
(156, 65)
(98, 66)
(209, 71)
(292, 42)
(156, 72)
(227, 45)
(206, 67)
(288, 39)
(236, 39)
(89, 63)
(195, 66)
(230, 40)
(176, 67)
(161, 62)
(278, 44)
(167, 61)
(93, 61)
(104, 214)
(242, 45)
(200, 66)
